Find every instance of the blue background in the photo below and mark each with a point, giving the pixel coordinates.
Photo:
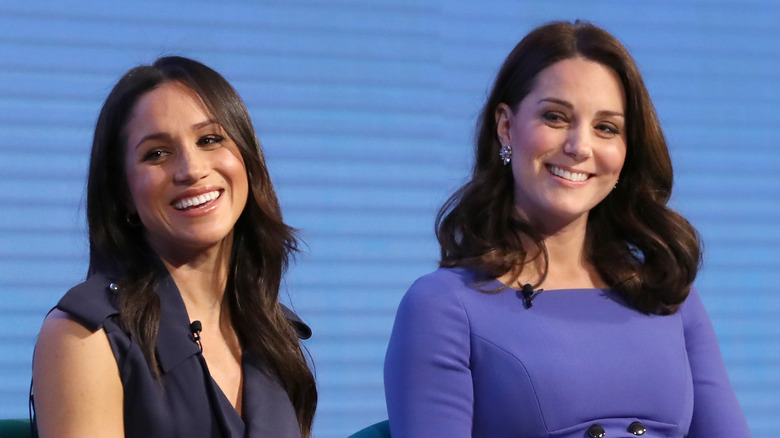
(366, 111)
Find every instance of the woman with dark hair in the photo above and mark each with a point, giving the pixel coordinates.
(177, 330)
(563, 306)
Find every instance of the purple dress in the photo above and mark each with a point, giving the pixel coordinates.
(185, 401)
(578, 363)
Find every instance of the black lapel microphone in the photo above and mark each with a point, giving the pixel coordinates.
(529, 295)
(196, 327)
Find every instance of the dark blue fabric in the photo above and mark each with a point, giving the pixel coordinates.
(185, 401)
(463, 363)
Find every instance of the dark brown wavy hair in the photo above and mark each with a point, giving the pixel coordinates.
(262, 243)
(639, 246)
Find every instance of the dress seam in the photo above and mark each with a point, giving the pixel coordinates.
(527, 374)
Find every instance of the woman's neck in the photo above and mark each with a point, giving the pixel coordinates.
(567, 267)
(201, 278)
(201, 284)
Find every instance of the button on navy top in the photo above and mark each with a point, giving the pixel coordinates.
(185, 401)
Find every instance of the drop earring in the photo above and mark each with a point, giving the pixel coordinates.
(506, 154)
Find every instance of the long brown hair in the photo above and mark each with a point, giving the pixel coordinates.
(639, 246)
(262, 243)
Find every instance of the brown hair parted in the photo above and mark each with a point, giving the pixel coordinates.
(262, 243)
(639, 246)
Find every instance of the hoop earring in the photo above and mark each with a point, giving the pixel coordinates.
(506, 154)
(133, 220)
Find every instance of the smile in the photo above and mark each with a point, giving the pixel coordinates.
(196, 201)
(565, 174)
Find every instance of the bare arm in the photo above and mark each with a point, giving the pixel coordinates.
(78, 391)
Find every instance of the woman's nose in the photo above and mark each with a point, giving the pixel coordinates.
(578, 143)
(191, 165)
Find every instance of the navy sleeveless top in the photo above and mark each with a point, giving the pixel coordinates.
(185, 401)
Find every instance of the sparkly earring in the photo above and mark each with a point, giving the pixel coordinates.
(133, 220)
(616, 183)
(506, 154)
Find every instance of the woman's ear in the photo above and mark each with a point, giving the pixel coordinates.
(503, 123)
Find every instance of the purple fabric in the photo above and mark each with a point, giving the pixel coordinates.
(464, 363)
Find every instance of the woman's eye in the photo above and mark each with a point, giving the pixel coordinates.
(608, 128)
(154, 155)
(207, 140)
(553, 117)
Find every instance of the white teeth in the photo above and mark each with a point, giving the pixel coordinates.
(196, 200)
(565, 174)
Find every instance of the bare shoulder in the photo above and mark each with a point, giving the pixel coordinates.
(64, 342)
(78, 391)
(58, 325)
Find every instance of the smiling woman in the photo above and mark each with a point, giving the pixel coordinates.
(186, 177)
(567, 142)
(177, 330)
(568, 197)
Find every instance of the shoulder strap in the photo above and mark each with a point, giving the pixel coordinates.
(90, 302)
(303, 330)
